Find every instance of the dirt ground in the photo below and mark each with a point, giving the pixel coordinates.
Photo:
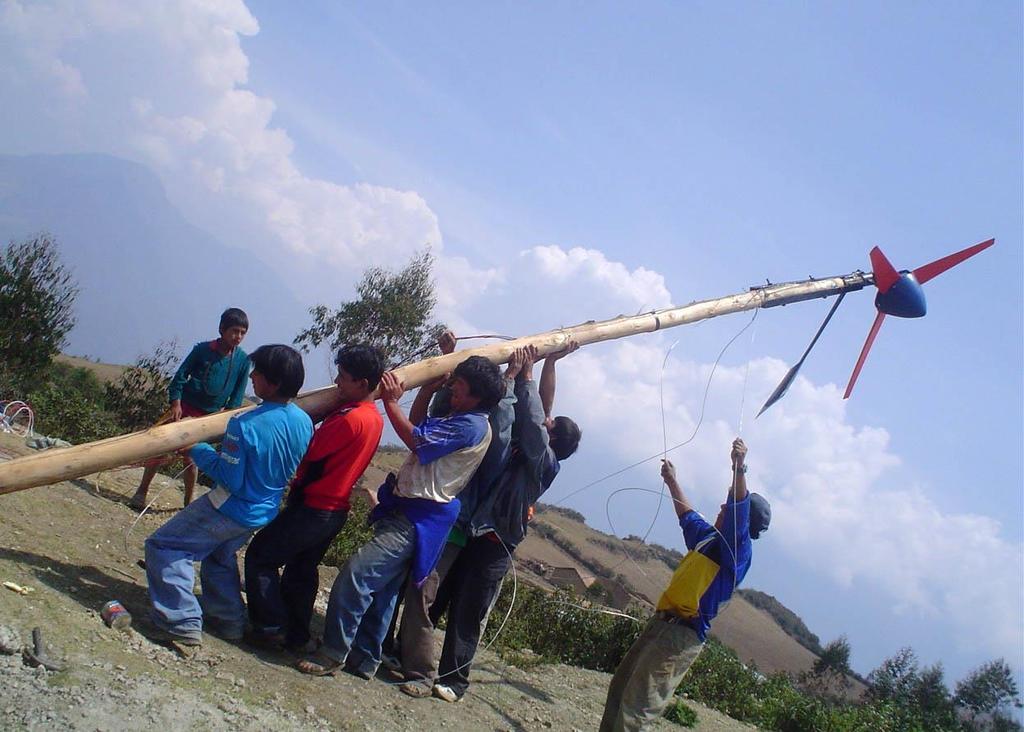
(75, 546)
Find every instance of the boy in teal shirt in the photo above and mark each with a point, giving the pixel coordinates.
(211, 378)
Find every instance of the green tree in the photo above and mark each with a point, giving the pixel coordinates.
(139, 397)
(393, 313)
(37, 296)
(919, 698)
(829, 678)
(989, 691)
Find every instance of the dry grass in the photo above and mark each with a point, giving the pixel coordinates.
(105, 372)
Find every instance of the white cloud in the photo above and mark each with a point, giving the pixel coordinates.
(837, 508)
(164, 84)
(642, 288)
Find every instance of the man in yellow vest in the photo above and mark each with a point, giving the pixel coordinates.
(717, 560)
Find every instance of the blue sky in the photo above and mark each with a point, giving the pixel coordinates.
(605, 159)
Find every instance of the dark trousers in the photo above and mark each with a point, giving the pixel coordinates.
(476, 578)
(296, 540)
(418, 621)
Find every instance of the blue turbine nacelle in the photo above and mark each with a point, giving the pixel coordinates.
(904, 299)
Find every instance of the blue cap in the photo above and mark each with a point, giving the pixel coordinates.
(760, 515)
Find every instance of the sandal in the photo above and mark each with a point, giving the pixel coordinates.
(318, 664)
(417, 689)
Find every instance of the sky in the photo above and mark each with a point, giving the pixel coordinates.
(573, 161)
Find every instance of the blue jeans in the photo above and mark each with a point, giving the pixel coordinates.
(364, 594)
(198, 533)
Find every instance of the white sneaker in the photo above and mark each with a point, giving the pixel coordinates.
(447, 693)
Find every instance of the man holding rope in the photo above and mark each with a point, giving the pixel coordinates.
(717, 560)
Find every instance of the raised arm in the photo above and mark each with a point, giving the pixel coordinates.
(441, 404)
(738, 489)
(679, 500)
(391, 390)
(529, 430)
(547, 377)
(418, 410)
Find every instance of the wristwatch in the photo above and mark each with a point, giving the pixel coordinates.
(740, 469)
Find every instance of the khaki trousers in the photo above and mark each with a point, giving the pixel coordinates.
(649, 673)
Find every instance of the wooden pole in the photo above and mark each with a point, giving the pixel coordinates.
(56, 465)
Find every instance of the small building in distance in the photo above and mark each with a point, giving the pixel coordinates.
(570, 578)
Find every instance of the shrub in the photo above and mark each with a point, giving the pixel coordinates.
(681, 713)
(69, 405)
(560, 628)
(718, 679)
(139, 397)
(357, 531)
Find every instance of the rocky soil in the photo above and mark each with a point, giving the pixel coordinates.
(73, 546)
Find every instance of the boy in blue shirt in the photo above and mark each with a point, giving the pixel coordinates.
(261, 450)
(415, 513)
(717, 561)
(211, 378)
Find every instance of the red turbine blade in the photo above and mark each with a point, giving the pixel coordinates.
(928, 271)
(885, 274)
(864, 353)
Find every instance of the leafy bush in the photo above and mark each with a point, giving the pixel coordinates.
(560, 628)
(357, 532)
(139, 397)
(681, 713)
(719, 679)
(69, 405)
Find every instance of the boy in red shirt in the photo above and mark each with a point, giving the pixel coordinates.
(281, 606)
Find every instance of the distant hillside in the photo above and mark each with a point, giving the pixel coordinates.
(635, 571)
(105, 372)
(786, 618)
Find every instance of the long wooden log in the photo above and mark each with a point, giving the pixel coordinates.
(74, 462)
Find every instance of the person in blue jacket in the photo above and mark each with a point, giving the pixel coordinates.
(717, 561)
(260, 452)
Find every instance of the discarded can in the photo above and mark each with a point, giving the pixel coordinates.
(115, 616)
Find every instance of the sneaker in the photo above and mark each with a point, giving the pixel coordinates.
(184, 645)
(446, 693)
